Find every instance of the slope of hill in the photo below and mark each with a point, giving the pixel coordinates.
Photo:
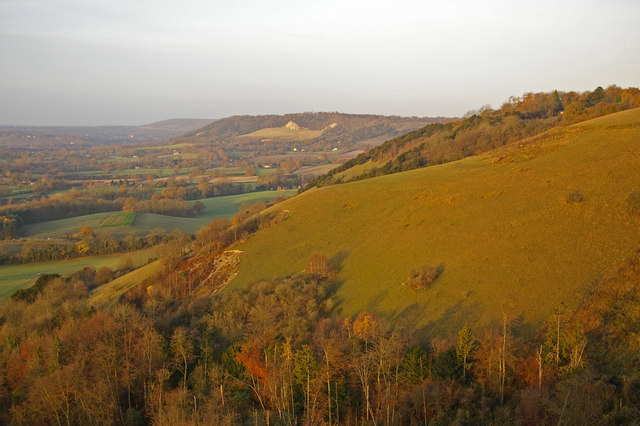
(482, 131)
(523, 228)
(321, 131)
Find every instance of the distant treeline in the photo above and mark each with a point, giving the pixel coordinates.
(86, 244)
(59, 208)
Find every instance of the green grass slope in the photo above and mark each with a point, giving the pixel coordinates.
(504, 226)
(108, 294)
(14, 277)
(144, 222)
(57, 228)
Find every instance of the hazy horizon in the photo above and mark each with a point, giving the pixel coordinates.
(74, 62)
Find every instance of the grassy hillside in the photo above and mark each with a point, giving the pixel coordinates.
(524, 228)
(110, 293)
(284, 134)
(57, 228)
(482, 131)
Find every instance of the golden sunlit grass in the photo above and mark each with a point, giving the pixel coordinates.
(506, 226)
(283, 134)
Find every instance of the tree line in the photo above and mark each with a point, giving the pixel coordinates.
(85, 243)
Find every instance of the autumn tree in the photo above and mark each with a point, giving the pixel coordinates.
(318, 265)
(305, 368)
(365, 328)
(466, 344)
(86, 231)
(182, 348)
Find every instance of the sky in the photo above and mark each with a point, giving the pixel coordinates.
(86, 62)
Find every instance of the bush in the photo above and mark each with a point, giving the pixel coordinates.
(423, 278)
(633, 201)
(574, 197)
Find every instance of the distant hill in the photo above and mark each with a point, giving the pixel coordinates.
(523, 228)
(321, 131)
(92, 135)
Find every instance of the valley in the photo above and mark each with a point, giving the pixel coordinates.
(479, 270)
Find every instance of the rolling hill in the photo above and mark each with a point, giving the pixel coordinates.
(322, 131)
(524, 229)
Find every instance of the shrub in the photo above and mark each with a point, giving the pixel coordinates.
(633, 201)
(423, 278)
(574, 197)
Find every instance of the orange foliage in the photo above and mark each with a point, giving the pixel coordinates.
(251, 358)
(17, 370)
(365, 326)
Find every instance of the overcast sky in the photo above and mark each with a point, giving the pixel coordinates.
(86, 62)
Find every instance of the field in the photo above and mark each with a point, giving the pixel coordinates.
(145, 222)
(119, 219)
(14, 277)
(282, 134)
(315, 170)
(100, 174)
(507, 227)
(57, 228)
(358, 170)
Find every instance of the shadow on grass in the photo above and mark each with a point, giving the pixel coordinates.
(453, 319)
(337, 261)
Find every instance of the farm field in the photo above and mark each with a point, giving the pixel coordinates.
(214, 207)
(119, 219)
(129, 172)
(14, 277)
(506, 226)
(57, 228)
(315, 170)
(284, 134)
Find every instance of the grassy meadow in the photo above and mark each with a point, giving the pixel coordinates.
(144, 222)
(119, 219)
(57, 228)
(522, 229)
(14, 277)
